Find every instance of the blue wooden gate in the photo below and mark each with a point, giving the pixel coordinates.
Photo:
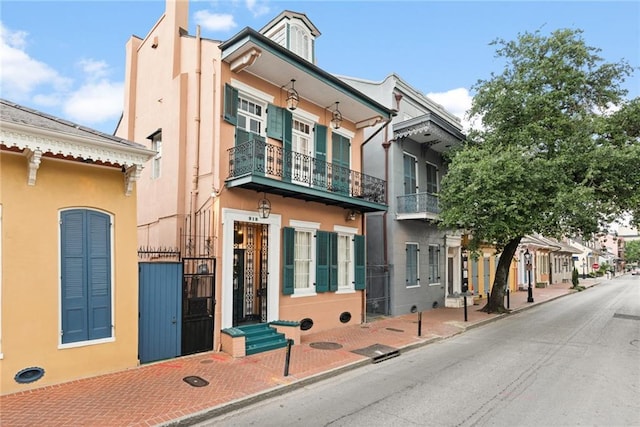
(160, 313)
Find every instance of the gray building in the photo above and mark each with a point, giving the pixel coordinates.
(412, 264)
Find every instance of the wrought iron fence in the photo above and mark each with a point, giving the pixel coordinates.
(418, 203)
(378, 291)
(257, 157)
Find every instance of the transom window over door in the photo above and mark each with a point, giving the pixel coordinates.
(250, 115)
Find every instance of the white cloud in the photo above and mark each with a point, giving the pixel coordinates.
(94, 70)
(456, 101)
(95, 102)
(257, 8)
(214, 21)
(21, 75)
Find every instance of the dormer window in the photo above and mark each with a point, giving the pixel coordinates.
(299, 41)
(293, 31)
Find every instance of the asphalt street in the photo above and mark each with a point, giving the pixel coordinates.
(572, 361)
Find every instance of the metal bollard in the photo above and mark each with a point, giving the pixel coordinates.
(465, 308)
(419, 323)
(507, 297)
(288, 358)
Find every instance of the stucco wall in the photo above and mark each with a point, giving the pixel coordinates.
(31, 270)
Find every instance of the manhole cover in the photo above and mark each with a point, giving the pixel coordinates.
(626, 316)
(195, 381)
(325, 345)
(395, 330)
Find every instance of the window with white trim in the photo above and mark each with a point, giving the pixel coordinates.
(251, 115)
(86, 286)
(432, 179)
(345, 262)
(156, 145)
(303, 261)
(302, 147)
(300, 41)
(412, 264)
(434, 265)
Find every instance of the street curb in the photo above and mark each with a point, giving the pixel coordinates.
(225, 408)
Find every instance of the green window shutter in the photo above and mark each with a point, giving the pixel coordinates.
(333, 261)
(359, 262)
(275, 122)
(320, 160)
(288, 260)
(341, 162)
(322, 261)
(287, 137)
(231, 104)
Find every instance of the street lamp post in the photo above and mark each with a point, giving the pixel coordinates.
(527, 259)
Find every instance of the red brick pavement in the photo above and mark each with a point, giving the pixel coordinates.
(156, 394)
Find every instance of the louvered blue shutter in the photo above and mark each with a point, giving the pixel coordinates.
(288, 248)
(86, 275)
(320, 161)
(99, 274)
(359, 262)
(287, 137)
(322, 261)
(231, 104)
(74, 285)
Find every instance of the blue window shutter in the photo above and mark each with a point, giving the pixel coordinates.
(231, 104)
(99, 274)
(322, 261)
(333, 259)
(86, 275)
(73, 271)
(275, 122)
(288, 263)
(359, 262)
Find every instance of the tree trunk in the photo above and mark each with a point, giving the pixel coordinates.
(495, 304)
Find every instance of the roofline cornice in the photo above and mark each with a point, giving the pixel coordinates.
(306, 66)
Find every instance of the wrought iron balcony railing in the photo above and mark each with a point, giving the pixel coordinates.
(418, 203)
(257, 157)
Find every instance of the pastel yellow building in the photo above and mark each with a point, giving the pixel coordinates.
(68, 283)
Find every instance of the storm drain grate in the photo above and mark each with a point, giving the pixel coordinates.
(378, 352)
(195, 381)
(626, 316)
(325, 345)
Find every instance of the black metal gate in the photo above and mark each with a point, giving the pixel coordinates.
(198, 304)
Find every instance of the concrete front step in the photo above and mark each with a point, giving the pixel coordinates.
(261, 337)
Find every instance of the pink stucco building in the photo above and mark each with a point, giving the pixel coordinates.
(253, 122)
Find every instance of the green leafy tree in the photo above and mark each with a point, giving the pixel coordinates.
(550, 156)
(632, 252)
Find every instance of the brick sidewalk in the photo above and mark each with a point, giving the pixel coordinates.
(156, 394)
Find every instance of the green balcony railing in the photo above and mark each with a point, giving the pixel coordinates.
(257, 157)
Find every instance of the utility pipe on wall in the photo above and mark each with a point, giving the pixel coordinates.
(196, 162)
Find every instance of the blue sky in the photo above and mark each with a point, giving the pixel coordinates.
(66, 58)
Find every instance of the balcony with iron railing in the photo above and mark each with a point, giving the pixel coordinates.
(418, 206)
(264, 167)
